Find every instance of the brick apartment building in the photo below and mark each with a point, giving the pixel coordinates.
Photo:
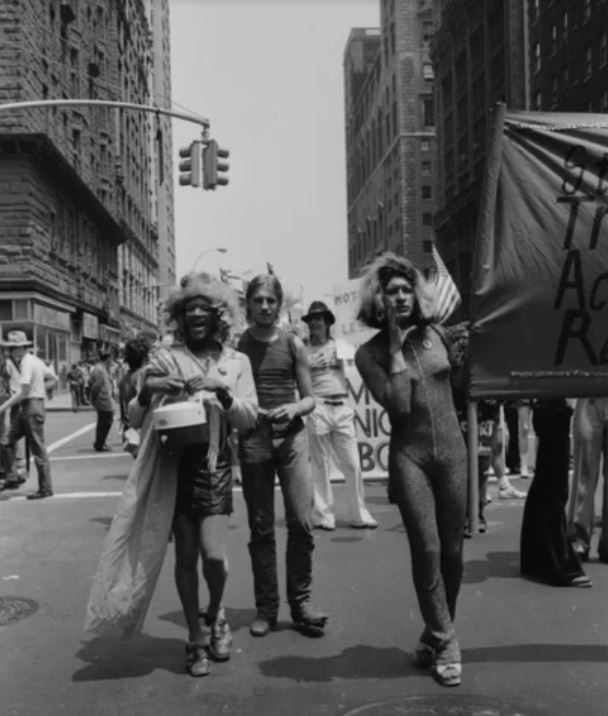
(479, 56)
(549, 55)
(79, 186)
(568, 55)
(390, 134)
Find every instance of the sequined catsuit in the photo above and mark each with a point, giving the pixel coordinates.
(427, 469)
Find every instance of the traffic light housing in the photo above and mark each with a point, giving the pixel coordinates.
(190, 167)
(214, 168)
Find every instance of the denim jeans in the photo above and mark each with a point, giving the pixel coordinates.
(261, 456)
(28, 421)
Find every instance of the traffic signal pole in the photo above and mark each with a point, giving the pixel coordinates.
(203, 160)
(31, 104)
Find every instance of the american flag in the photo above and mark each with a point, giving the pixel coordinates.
(448, 295)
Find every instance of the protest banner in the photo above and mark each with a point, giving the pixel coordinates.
(371, 420)
(539, 309)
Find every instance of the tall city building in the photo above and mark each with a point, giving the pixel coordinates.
(549, 55)
(162, 152)
(568, 50)
(390, 135)
(479, 56)
(80, 218)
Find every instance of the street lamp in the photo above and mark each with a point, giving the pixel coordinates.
(219, 249)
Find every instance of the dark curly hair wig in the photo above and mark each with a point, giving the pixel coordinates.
(222, 297)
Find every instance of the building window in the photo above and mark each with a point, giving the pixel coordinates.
(427, 71)
(603, 49)
(536, 60)
(587, 10)
(428, 32)
(537, 100)
(428, 108)
(553, 39)
(588, 63)
(426, 191)
(426, 168)
(554, 89)
(565, 25)
(565, 77)
(425, 145)
(427, 219)
(537, 8)
(604, 101)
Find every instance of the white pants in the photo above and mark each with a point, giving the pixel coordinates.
(331, 433)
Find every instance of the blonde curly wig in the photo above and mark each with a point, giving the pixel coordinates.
(375, 279)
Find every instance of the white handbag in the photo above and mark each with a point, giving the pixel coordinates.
(182, 423)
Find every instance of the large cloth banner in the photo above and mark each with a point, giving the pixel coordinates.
(539, 310)
(372, 423)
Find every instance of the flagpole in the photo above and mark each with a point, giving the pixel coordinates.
(482, 264)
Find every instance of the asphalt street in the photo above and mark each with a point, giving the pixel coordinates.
(528, 649)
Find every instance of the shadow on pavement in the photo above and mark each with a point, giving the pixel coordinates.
(237, 618)
(117, 476)
(537, 652)
(391, 663)
(356, 662)
(121, 659)
(497, 564)
(105, 521)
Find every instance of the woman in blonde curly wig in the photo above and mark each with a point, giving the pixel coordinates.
(406, 366)
(187, 491)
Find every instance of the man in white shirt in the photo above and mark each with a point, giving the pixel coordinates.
(28, 421)
(331, 427)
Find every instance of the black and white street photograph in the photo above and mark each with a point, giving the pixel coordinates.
(303, 357)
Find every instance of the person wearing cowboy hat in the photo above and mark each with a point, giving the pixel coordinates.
(28, 419)
(331, 426)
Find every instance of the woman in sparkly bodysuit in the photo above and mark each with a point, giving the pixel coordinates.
(406, 366)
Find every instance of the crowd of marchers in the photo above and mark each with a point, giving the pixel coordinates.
(267, 403)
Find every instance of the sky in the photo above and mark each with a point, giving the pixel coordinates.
(268, 74)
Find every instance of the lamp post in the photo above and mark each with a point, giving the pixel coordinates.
(219, 249)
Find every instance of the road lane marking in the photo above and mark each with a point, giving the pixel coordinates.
(60, 443)
(93, 456)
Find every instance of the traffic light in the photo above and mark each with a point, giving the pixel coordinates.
(190, 168)
(214, 169)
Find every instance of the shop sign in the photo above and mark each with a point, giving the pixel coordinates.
(109, 334)
(47, 316)
(90, 326)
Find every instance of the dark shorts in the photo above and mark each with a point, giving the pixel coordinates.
(201, 492)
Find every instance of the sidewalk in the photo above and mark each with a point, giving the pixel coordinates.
(62, 401)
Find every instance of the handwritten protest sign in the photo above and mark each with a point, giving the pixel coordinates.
(540, 278)
(373, 428)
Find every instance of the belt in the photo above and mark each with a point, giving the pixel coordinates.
(334, 399)
(28, 401)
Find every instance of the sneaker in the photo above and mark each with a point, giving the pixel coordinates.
(483, 525)
(308, 620)
(328, 526)
(510, 492)
(220, 639)
(368, 525)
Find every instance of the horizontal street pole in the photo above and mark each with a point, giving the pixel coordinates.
(195, 119)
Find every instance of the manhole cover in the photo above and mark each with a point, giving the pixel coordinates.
(12, 609)
(443, 706)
